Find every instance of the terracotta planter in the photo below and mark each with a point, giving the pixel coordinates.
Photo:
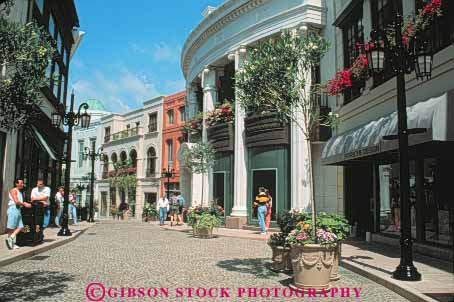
(312, 265)
(281, 259)
(335, 271)
(205, 233)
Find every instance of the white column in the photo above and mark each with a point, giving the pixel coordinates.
(300, 176)
(210, 95)
(240, 152)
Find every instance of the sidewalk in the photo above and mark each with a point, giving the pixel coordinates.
(375, 262)
(378, 261)
(51, 240)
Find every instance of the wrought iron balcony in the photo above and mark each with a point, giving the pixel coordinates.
(123, 134)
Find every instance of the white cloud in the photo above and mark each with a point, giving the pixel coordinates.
(163, 52)
(121, 93)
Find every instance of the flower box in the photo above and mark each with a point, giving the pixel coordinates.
(221, 137)
(265, 130)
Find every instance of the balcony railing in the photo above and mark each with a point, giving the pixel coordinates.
(123, 134)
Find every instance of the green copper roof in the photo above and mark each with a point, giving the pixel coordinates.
(95, 105)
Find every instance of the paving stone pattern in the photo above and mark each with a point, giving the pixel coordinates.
(131, 254)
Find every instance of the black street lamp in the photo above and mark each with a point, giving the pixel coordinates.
(421, 57)
(69, 119)
(93, 156)
(81, 187)
(168, 173)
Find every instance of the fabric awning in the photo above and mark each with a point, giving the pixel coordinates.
(436, 115)
(42, 142)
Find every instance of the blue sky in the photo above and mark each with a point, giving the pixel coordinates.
(131, 50)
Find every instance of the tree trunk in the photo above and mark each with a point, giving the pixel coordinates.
(311, 179)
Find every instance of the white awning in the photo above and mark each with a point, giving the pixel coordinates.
(436, 115)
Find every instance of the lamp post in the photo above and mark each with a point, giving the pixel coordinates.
(402, 59)
(93, 156)
(168, 173)
(69, 119)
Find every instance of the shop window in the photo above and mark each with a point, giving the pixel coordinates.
(151, 162)
(352, 33)
(151, 198)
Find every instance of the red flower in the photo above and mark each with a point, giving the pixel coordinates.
(436, 4)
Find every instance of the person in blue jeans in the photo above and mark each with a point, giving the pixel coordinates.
(72, 208)
(163, 206)
(59, 201)
(261, 201)
(42, 194)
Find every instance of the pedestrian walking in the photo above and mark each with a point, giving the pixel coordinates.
(59, 200)
(269, 209)
(260, 202)
(72, 207)
(124, 208)
(163, 205)
(174, 210)
(41, 194)
(181, 203)
(14, 222)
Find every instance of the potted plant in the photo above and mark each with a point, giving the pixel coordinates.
(205, 225)
(280, 253)
(150, 213)
(312, 256)
(339, 226)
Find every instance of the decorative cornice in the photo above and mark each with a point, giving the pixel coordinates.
(195, 39)
(226, 14)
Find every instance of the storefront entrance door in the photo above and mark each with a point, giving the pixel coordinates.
(265, 178)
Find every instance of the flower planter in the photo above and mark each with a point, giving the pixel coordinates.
(281, 259)
(204, 233)
(221, 137)
(312, 266)
(335, 271)
(265, 130)
(194, 231)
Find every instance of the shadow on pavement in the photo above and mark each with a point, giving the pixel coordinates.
(29, 286)
(256, 266)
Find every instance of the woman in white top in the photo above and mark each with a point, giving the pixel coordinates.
(14, 223)
(59, 199)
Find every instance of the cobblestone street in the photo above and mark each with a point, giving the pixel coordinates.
(138, 255)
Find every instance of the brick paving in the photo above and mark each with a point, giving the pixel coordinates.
(131, 254)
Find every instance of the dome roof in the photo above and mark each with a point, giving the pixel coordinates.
(95, 105)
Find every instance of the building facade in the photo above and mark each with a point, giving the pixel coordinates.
(172, 138)
(274, 158)
(367, 113)
(35, 151)
(91, 138)
(132, 143)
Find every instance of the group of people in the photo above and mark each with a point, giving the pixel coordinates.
(39, 195)
(175, 208)
(263, 204)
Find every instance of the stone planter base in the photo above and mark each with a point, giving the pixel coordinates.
(312, 265)
(281, 259)
(335, 271)
(205, 233)
(194, 231)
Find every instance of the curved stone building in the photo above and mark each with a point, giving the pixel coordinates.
(275, 159)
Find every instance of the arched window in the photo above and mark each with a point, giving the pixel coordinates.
(105, 167)
(151, 162)
(113, 158)
(133, 157)
(123, 157)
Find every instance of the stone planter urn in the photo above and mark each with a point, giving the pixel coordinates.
(204, 233)
(335, 271)
(281, 259)
(312, 266)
